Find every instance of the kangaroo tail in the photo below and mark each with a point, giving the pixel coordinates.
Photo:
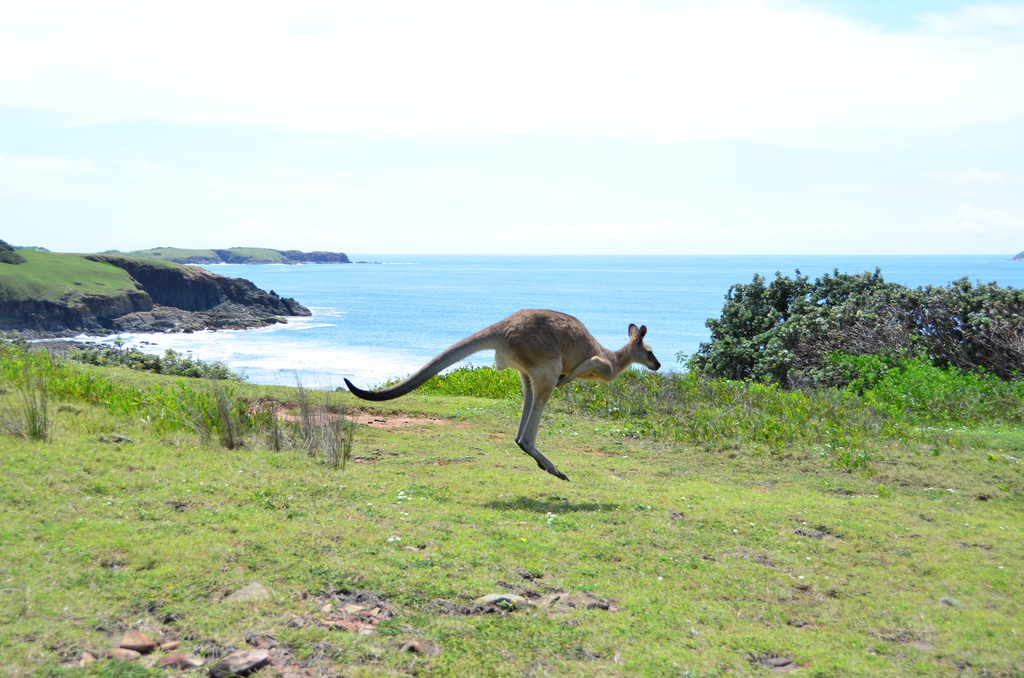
(459, 351)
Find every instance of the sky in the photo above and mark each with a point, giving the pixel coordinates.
(525, 127)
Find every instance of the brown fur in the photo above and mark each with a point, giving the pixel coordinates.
(548, 349)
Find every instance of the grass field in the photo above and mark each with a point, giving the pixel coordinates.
(62, 278)
(726, 557)
(244, 254)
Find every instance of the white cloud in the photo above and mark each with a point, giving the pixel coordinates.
(463, 67)
(988, 222)
(45, 165)
(978, 176)
(981, 17)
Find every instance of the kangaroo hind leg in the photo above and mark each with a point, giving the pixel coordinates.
(536, 393)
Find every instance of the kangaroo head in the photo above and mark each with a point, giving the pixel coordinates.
(641, 352)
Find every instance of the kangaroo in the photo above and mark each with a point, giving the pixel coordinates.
(548, 349)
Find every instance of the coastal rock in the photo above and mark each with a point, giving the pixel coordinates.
(168, 298)
(195, 289)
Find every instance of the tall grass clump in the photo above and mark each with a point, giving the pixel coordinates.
(29, 416)
(26, 375)
(325, 428)
(213, 411)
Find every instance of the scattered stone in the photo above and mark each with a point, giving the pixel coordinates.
(171, 646)
(138, 641)
(175, 660)
(116, 439)
(527, 575)
(499, 603)
(300, 621)
(356, 611)
(451, 608)
(254, 591)
(952, 602)
(263, 641)
(86, 659)
(499, 598)
(422, 646)
(240, 663)
(123, 655)
(565, 602)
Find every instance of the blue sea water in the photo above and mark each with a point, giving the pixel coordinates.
(372, 322)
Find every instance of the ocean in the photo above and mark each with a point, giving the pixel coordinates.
(376, 321)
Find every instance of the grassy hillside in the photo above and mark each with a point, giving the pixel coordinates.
(241, 254)
(62, 278)
(718, 558)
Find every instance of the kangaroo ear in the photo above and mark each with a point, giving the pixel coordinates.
(641, 333)
(633, 329)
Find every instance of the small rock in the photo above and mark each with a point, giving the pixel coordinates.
(495, 598)
(138, 641)
(175, 660)
(779, 664)
(171, 646)
(427, 648)
(261, 641)
(86, 659)
(123, 655)
(240, 663)
(952, 602)
(352, 609)
(254, 591)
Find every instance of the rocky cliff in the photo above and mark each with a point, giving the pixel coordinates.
(168, 298)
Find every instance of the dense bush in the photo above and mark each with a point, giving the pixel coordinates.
(8, 255)
(782, 332)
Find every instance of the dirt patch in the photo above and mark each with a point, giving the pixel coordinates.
(965, 545)
(396, 421)
(373, 420)
(774, 663)
(556, 603)
(821, 532)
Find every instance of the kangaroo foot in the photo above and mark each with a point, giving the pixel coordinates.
(543, 462)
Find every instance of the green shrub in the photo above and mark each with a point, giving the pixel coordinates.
(171, 362)
(781, 332)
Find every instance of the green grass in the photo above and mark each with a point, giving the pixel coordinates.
(61, 278)
(717, 554)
